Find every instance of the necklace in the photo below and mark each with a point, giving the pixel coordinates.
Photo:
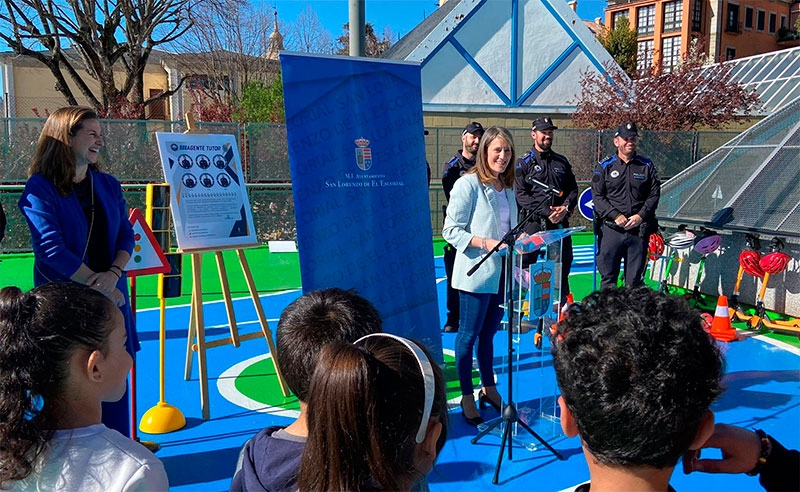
(91, 220)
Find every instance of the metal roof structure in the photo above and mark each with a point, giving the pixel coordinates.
(518, 56)
(751, 183)
(775, 76)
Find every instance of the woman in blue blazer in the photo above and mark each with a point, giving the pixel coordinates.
(482, 209)
(79, 222)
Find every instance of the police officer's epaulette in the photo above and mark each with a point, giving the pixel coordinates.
(559, 157)
(452, 162)
(645, 160)
(526, 157)
(608, 160)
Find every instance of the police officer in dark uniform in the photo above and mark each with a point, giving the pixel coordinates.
(550, 211)
(454, 169)
(625, 191)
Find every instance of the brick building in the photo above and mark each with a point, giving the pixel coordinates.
(728, 28)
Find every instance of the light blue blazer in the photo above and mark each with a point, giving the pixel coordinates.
(473, 211)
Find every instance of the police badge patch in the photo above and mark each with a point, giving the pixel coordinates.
(614, 173)
(363, 154)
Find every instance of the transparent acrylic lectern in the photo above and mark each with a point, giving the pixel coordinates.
(536, 296)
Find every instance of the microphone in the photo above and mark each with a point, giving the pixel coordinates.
(547, 188)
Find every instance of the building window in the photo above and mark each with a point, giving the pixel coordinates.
(761, 18)
(644, 55)
(783, 21)
(773, 19)
(730, 53)
(616, 16)
(646, 20)
(670, 53)
(748, 17)
(697, 16)
(732, 24)
(673, 13)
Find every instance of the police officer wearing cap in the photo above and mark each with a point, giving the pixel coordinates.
(537, 170)
(463, 161)
(625, 191)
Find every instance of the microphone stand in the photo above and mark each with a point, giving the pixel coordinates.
(509, 410)
(537, 338)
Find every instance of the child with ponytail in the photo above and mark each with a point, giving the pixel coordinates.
(62, 353)
(377, 416)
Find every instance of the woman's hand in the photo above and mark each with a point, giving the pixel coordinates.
(117, 297)
(491, 243)
(103, 282)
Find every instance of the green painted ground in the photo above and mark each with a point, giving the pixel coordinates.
(272, 273)
(259, 383)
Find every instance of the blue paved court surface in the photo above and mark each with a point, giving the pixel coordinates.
(762, 381)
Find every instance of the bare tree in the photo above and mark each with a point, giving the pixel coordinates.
(373, 47)
(107, 36)
(226, 48)
(684, 99)
(308, 35)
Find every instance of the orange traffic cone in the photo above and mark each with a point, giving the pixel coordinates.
(570, 300)
(721, 328)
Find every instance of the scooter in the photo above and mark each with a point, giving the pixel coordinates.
(749, 260)
(655, 252)
(681, 240)
(772, 264)
(706, 243)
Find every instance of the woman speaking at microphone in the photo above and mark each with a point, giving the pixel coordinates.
(482, 209)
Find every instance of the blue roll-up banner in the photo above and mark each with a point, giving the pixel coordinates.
(359, 181)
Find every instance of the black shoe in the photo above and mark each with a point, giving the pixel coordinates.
(450, 329)
(484, 399)
(474, 421)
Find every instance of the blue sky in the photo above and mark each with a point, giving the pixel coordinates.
(400, 15)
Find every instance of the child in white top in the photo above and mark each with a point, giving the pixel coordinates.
(62, 353)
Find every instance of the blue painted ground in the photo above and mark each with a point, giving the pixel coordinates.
(763, 390)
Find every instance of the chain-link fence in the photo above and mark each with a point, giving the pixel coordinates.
(131, 154)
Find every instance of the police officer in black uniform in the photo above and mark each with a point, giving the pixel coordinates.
(550, 211)
(454, 169)
(625, 191)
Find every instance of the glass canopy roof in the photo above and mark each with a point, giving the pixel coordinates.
(751, 183)
(775, 76)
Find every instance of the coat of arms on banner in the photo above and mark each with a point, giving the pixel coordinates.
(363, 154)
(541, 291)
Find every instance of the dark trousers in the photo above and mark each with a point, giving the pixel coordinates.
(481, 315)
(613, 246)
(452, 294)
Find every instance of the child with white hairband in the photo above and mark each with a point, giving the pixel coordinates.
(376, 416)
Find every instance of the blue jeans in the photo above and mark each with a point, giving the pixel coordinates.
(480, 316)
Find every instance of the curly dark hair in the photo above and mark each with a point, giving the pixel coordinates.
(39, 331)
(637, 372)
(314, 320)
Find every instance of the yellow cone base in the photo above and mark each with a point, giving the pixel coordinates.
(161, 419)
(150, 445)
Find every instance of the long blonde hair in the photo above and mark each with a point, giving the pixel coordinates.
(481, 167)
(54, 158)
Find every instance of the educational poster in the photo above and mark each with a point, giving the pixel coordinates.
(360, 185)
(208, 199)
